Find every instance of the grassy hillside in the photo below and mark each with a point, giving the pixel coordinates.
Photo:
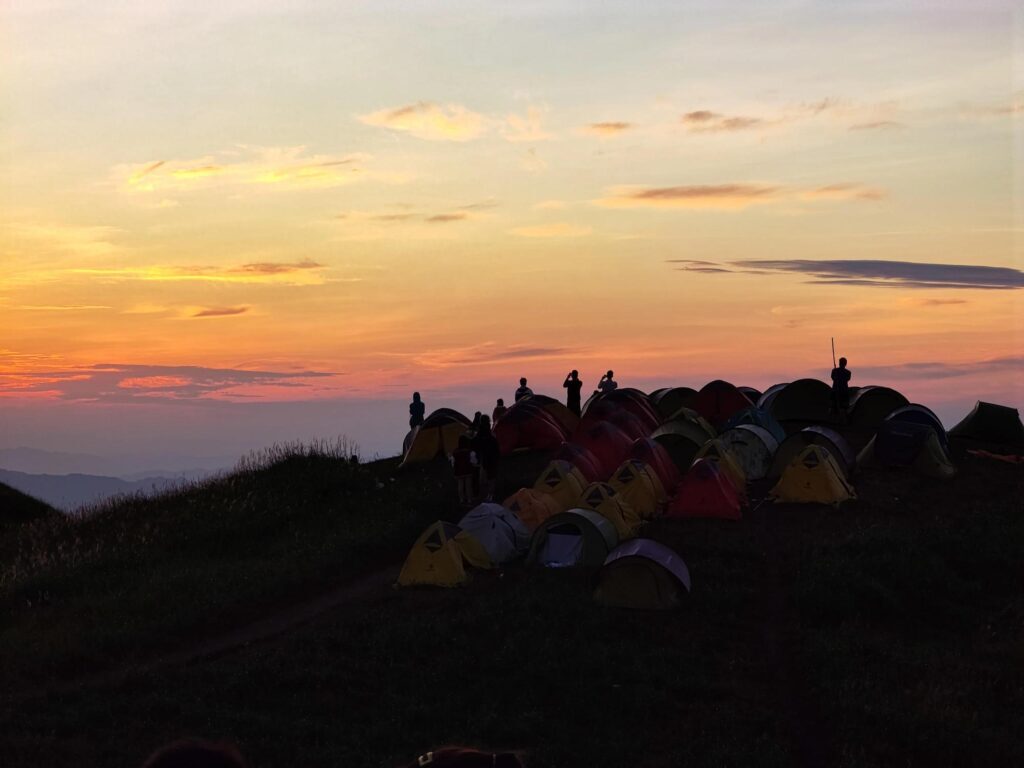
(17, 508)
(887, 632)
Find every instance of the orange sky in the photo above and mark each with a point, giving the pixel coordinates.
(250, 204)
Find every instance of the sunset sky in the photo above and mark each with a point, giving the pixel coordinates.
(229, 223)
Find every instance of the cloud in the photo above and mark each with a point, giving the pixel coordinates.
(1013, 364)
(606, 130)
(526, 128)
(442, 218)
(721, 196)
(705, 121)
(481, 205)
(118, 383)
(486, 353)
(551, 205)
(220, 312)
(426, 120)
(260, 167)
(876, 125)
(61, 307)
(1014, 107)
(731, 197)
(277, 267)
(557, 229)
(876, 273)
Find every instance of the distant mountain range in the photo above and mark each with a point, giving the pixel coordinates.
(37, 462)
(69, 492)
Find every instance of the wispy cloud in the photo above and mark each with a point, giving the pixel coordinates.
(262, 167)
(118, 383)
(429, 121)
(526, 128)
(556, 229)
(306, 272)
(706, 121)
(607, 130)
(1002, 366)
(872, 272)
(220, 312)
(731, 197)
(483, 354)
(876, 125)
(277, 267)
(444, 218)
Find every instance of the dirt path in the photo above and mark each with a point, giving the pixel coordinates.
(780, 633)
(368, 586)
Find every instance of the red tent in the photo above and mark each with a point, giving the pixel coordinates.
(580, 458)
(718, 400)
(609, 444)
(528, 427)
(654, 455)
(630, 400)
(705, 491)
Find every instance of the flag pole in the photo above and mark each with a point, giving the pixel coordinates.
(833, 351)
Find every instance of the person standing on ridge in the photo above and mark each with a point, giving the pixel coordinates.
(841, 389)
(573, 385)
(499, 410)
(523, 391)
(607, 384)
(488, 454)
(416, 410)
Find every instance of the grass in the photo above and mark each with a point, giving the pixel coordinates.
(886, 632)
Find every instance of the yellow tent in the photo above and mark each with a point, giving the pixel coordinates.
(532, 507)
(639, 487)
(716, 449)
(603, 499)
(813, 477)
(438, 435)
(439, 556)
(563, 482)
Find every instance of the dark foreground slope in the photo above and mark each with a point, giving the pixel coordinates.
(887, 632)
(17, 508)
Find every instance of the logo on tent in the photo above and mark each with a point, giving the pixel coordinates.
(811, 460)
(434, 543)
(595, 498)
(552, 479)
(626, 475)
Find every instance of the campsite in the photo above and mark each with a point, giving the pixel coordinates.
(702, 576)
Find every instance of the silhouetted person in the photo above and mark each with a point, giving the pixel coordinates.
(475, 426)
(192, 753)
(464, 465)
(416, 410)
(573, 385)
(523, 391)
(462, 757)
(488, 454)
(607, 383)
(499, 410)
(841, 388)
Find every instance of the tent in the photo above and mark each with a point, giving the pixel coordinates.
(919, 414)
(642, 574)
(639, 487)
(706, 491)
(581, 458)
(603, 499)
(753, 395)
(670, 399)
(571, 538)
(633, 400)
(759, 418)
(557, 410)
(803, 400)
(498, 530)
(831, 440)
(691, 416)
(681, 449)
(607, 443)
(753, 448)
(718, 400)
(440, 555)
(813, 477)
(653, 454)
(716, 449)
(990, 427)
(870, 405)
(438, 435)
(562, 481)
(527, 426)
(630, 425)
(905, 444)
(532, 507)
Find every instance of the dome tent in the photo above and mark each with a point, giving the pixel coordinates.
(603, 499)
(718, 400)
(571, 538)
(642, 574)
(532, 507)
(581, 458)
(670, 399)
(440, 555)
(803, 400)
(557, 410)
(639, 488)
(719, 451)
(759, 418)
(562, 481)
(753, 448)
(527, 426)
(607, 443)
(438, 435)
(706, 491)
(498, 530)
(654, 455)
(831, 440)
(990, 427)
(813, 477)
(869, 406)
(905, 444)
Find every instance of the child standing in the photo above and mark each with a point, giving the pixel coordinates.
(464, 464)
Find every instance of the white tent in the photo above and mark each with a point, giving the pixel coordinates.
(500, 532)
(753, 447)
